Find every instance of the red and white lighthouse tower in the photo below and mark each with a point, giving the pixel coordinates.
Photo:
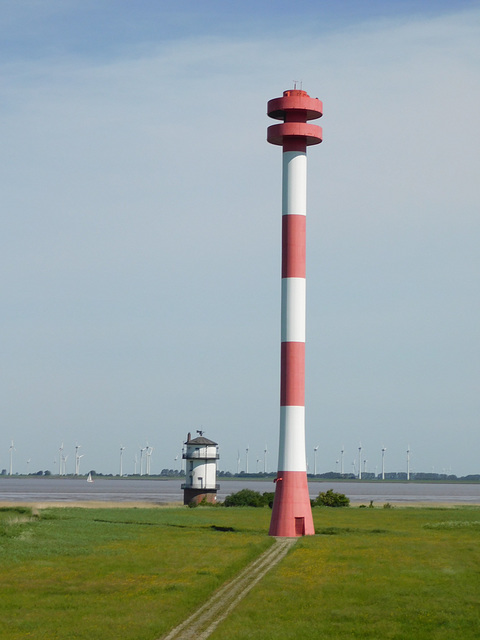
(292, 513)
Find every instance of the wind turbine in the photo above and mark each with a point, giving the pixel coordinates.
(122, 449)
(60, 456)
(341, 459)
(135, 467)
(315, 449)
(148, 454)
(12, 449)
(64, 463)
(141, 459)
(246, 460)
(77, 464)
(408, 462)
(265, 459)
(77, 459)
(384, 448)
(238, 461)
(360, 461)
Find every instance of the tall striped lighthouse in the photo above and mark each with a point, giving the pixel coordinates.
(292, 513)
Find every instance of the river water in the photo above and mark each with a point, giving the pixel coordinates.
(156, 491)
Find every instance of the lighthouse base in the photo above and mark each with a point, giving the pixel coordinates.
(199, 495)
(292, 512)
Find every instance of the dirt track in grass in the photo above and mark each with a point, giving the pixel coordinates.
(201, 624)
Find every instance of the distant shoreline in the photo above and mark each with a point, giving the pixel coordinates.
(242, 478)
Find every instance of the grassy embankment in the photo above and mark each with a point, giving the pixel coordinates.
(408, 573)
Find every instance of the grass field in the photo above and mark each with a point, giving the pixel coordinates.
(115, 573)
(404, 573)
(408, 574)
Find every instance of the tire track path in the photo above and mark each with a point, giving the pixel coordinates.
(201, 624)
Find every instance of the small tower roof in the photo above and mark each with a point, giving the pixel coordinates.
(201, 440)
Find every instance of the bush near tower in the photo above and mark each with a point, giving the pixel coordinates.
(331, 499)
(249, 498)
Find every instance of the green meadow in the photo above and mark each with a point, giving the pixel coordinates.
(134, 573)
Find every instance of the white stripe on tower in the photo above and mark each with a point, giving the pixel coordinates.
(294, 183)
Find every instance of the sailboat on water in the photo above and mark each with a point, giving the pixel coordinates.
(89, 477)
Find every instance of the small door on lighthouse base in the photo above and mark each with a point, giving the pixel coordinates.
(300, 526)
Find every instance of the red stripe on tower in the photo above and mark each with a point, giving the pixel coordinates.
(292, 514)
(293, 246)
(292, 367)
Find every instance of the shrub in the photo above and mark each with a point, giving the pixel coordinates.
(331, 499)
(268, 497)
(245, 498)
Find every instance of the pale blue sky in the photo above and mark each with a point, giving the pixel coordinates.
(140, 230)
